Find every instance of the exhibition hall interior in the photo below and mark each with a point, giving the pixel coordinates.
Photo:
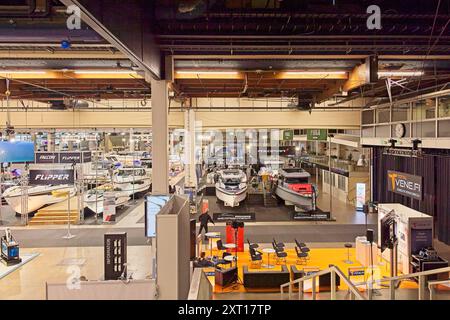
(225, 150)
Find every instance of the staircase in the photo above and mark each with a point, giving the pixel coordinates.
(57, 214)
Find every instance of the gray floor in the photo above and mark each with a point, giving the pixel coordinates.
(85, 237)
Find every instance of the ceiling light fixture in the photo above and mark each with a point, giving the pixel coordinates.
(22, 71)
(382, 74)
(207, 72)
(315, 72)
(104, 72)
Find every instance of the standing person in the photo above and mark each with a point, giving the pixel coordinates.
(204, 218)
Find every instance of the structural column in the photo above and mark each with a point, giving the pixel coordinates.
(189, 142)
(51, 141)
(160, 132)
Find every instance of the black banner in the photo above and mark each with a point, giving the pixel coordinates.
(47, 157)
(70, 157)
(245, 216)
(87, 156)
(51, 177)
(311, 216)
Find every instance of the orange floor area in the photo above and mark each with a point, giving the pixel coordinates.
(320, 258)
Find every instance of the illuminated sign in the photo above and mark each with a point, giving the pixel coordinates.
(405, 184)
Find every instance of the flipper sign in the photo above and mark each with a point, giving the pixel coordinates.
(51, 177)
(405, 184)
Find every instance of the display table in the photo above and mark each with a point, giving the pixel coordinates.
(269, 251)
(230, 246)
(211, 236)
(363, 252)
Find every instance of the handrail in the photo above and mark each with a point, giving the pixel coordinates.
(432, 284)
(201, 288)
(406, 276)
(393, 280)
(333, 271)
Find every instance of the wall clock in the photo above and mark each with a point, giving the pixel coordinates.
(400, 130)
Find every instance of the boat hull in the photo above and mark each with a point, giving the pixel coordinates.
(293, 198)
(231, 199)
(130, 188)
(35, 200)
(97, 206)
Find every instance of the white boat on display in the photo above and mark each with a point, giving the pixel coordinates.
(231, 186)
(294, 188)
(38, 196)
(131, 180)
(93, 199)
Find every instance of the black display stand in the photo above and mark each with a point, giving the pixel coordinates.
(115, 258)
(9, 252)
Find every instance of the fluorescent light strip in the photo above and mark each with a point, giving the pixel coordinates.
(400, 73)
(104, 72)
(207, 72)
(315, 72)
(22, 71)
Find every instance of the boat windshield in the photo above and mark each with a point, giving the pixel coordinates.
(231, 181)
(130, 173)
(296, 180)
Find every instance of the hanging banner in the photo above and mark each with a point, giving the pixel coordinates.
(51, 177)
(70, 157)
(288, 135)
(87, 156)
(47, 157)
(405, 184)
(63, 157)
(316, 134)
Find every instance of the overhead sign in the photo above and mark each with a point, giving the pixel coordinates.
(63, 157)
(405, 184)
(87, 156)
(288, 135)
(51, 177)
(47, 157)
(316, 134)
(403, 152)
(70, 157)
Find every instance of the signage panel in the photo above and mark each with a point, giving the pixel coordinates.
(360, 195)
(316, 134)
(16, 152)
(51, 177)
(225, 216)
(47, 157)
(405, 184)
(288, 135)
(70, 157)
(87, 156)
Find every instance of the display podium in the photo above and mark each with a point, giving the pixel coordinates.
(230, 233)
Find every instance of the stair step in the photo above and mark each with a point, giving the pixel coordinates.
(53, 218)
(61, 213)
(45, 222)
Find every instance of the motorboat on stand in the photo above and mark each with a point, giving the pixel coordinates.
(131, 180)
(37, 196)
(293, 187)
(231, 186)
(94, 198)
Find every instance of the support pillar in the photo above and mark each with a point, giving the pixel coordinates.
(51, 141)
(189, 127)
(160, 132)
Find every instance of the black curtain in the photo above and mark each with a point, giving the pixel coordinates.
(435, 170)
